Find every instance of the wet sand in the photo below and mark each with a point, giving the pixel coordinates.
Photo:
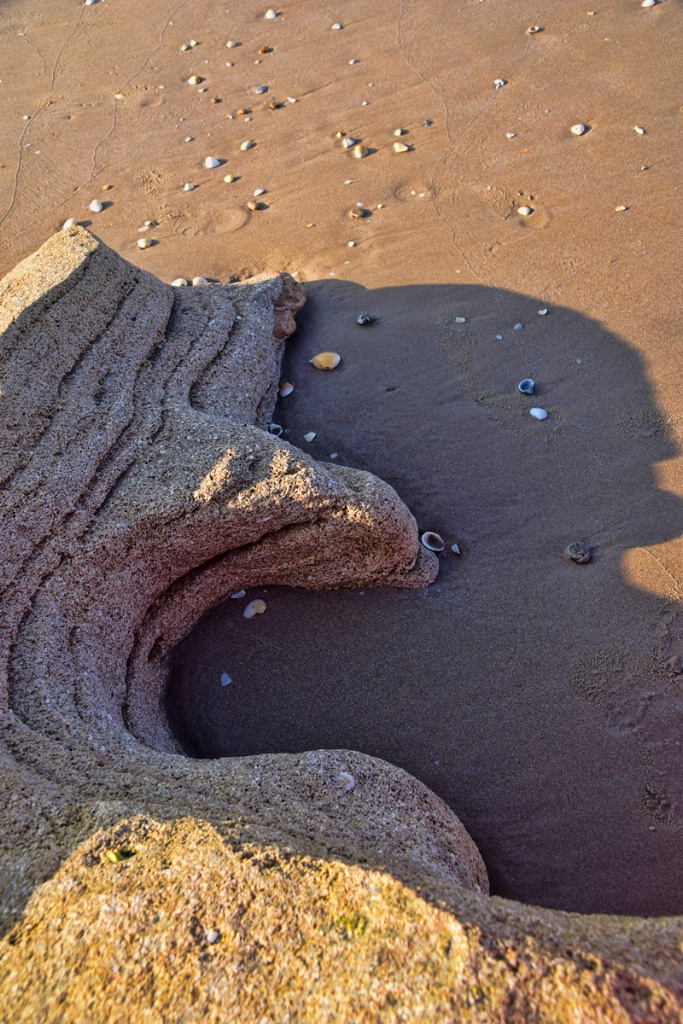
(541, 699)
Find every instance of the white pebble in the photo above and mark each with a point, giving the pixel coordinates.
(498, 83)
(620, 209)
(70, 223)
(518, 327)
(510, 135)
(187, 187)
(637, 128)
(347, 780)
(349, 181)
(247, 145)
(211, 161)
(524, 211)
(259, 191)
(212, 936)
(499, 337)
(351, 244)
(189, 138)
(354, 60)
(260, 89)
(197, 281)
(96, 206)
(579, 129)
(270, 14)
(238, 594)
(89, 3)
(310, 436)
(225, 681)
(143, 243)
(648, 3)
(348, 142)
(456, 549)
(180, 282)
(292, 99)
(194, 80)
(542, 312)
(400, 147)
(230, 43)
(254, 608)
(539, 414)
(336, 26)
(460, 319)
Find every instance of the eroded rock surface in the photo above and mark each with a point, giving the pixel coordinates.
(139, 488)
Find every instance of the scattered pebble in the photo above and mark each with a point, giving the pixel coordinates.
(225, 681)
(212, 936)
(194, 80)
(524, 211)
(432, 541)
(310, 436)
(637, 128)
(144, 243)
(527, 386)
(518, 327)
(270, 14)
(211, 161)
(70, 223)
(349, 181)
(187, 187)
(348, 142)
(259, 191)
(231, 43)
(292, 99)
(455, 548)
(578, 552)
(336, 26)
(260, 89)
(461, 319)
(363, 319)
(360, 151)
(197, 281)
(358, 213)
(649, 3)
(620, 209)
(510, 135)
(285, 389)
(238, 594)
(542, 312)
(351, 244)
(254, 608)
(539, 414)
(400, 147)
(249, 144)
(89, 3)
(347, 780)
(399, 132)
(96, 206)
(326, 360)
(180, 282)
(579, 129)
(189, 138)
(229, 178)
(499, 337)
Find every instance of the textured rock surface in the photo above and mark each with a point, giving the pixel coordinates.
(138, 489)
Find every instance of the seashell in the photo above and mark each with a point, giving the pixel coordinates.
(432, 541)
(107, 188)
(275, 428)
(527, 386)
(524, 211)
(354, 60)
(96, 206)
(194, 80)
(455, 548)
(259, 192)
(254, 608)
(274, 105)
(211, 161)
(180, 282)
(187, 187)
(400, 147)
(399, 131)
(348, 142)
(578, 552)
(326, 360)
(238, 594)
(231, 43)
(336, 26)
(461, 319)
(334, 455)
(510, 135)
(229, 178)
(499, 337)
(347, 780)
(292, 99)
(351, 245)
(363, 319)
(89, 3)
(532, 30)
(265, 49)
(260, 89)
(356, 213)
(251, 205)
(143, 243)
(212, 936)
(498, 83)
(249, 144)
(225, 681)
(620, 209)
(189, 138)
(637, 128)
(193, 42)
(197, 281)
(542, 312)
(539, 414)
(270, 14)
(359, 151)
(649, 3)
(310, 436)
(70, 223)
(518, 327)
(285, 389)
(579, 129)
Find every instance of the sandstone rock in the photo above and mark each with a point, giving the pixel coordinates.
(139, 487)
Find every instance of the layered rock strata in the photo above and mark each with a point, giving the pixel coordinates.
(140, 487)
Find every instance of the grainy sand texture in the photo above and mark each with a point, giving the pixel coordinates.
(540, 699)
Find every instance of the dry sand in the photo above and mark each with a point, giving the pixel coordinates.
(548, 693)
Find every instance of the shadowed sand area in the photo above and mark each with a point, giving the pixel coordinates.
(539, 698)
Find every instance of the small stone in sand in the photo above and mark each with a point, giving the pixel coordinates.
(225, 681)
(455, 548)
(399, 132)
(254, 608)
(260, 89)
(359, 151)
(649, 3)
(70, 223)
(249, 144)
(524, 211)
(400, 147)
(538, 414)
(197, 281)
(351, 244)
(518, 327)
(96, 206)
(143, 243)
(231, 43)
(578, 552)
(620, 209)
(189, 138)
(579, 129)
(211, 161)
(542, 312)
(251, 205)
(363, 319)
(461, 319)
(310, 436)
(229, 178)
(336, 26)
(292, 99)
(510, 135)
(180, 282)
(259, 191)
(270, 14)
(187, 187)
(639, 130)
(349, 142)
(194, 80)
(498, 83)
(212, 936)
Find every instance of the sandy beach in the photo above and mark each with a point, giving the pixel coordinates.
(539, 698)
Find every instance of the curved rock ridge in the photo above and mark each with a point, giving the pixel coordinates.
(139, 487)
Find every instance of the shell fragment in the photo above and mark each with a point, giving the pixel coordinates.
(326, 360)
(254, 608)
(539, 414)
(432, 541)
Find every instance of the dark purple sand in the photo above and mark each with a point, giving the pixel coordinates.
(536, 696)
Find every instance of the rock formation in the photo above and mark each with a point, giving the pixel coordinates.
(140, 487)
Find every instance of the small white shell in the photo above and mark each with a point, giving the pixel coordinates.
(70, 223)
(96, 206)
(524, 211)
(197, 281)
(351, 244)
(239, 593)
(310, 436)
(285, 389)
(230, 43)
(648, 3)
(455, 548)
(539, 414)
(498, 83)
(211, 161)
(275, 429)
(229, 178)
(254, 608)
(579, 129)
(347, 781)
(542, 312)
(637, 128)
(260, 89)
(348, 142)
(510, 135)
(292, 99)
(359, 151)
(400, 147)
(194, 80)
(398, 132)
(225, 679)
(259, 191)
(326, 360)
(143, 243)
(270, 14)
(620, 209)
(432, 541)
(336, 26)
(461, 319)
(188, 187)
(180, 282)
(249, 144)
